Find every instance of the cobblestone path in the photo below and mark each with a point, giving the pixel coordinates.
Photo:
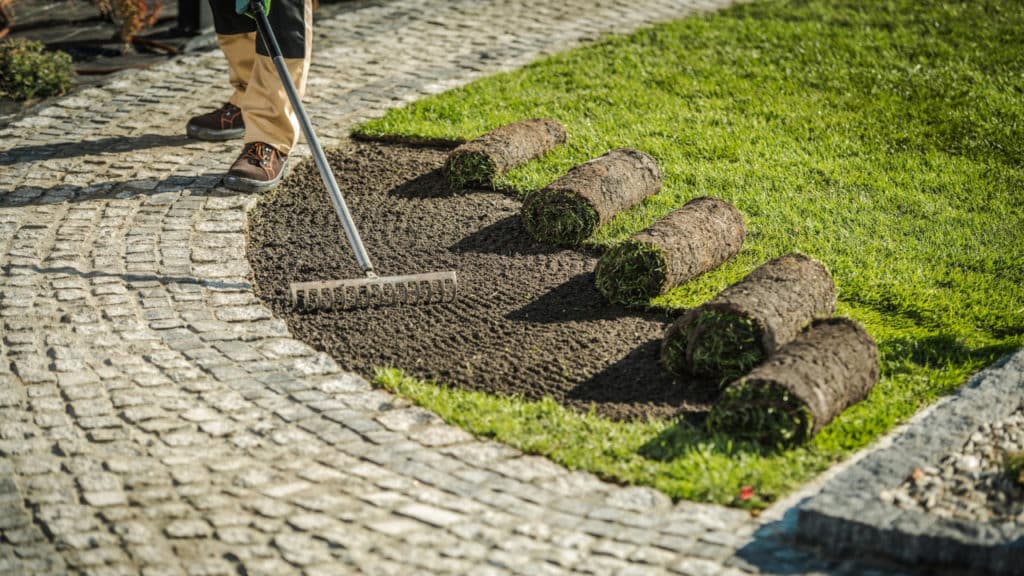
(156, 419)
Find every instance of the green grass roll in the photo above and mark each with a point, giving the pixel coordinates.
(570, 209)
(827, 368)
(736, 330)
(477, 163)
(682, 245)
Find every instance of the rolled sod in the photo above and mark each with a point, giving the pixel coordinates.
(684, 244)
(477, 163)
(827, 368)
(570, 209)
(737, 329)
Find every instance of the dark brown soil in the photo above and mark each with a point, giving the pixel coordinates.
(527, 319)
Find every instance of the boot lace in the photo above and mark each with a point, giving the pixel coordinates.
(259, 154)
(228, 112)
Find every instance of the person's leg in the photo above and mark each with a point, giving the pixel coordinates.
(272, 126)
(240, 52)
(268, 113)
(236, 35)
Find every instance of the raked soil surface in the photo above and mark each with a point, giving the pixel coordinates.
(527, 319)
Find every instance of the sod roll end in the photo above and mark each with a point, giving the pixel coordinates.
(570, 209)
(742, 325)
(715, 343)
(632, 272)
(479, 162)
(787, 400)
(677, 248)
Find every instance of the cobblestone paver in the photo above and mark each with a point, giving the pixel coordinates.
(155, 418)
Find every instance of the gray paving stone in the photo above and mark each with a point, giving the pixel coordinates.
(188, 529)
(430, 515)
(697, 567)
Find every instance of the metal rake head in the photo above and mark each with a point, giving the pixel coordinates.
(375, 290)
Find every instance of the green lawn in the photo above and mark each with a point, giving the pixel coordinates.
(885, 138)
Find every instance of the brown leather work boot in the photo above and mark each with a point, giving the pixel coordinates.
(223, 123)
(259, 168)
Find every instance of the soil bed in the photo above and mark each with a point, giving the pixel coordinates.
(528, 319)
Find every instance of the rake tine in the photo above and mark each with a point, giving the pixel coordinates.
(414, 292)
(425, 285)
(404, 289)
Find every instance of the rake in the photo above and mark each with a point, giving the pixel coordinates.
(371, 290)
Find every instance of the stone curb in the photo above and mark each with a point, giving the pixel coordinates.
(848, 517)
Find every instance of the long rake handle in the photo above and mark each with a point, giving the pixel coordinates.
(351, 232)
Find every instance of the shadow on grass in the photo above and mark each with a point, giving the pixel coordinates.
(936, 352)
(688, 434)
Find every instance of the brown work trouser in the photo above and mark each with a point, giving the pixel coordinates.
(266, 111)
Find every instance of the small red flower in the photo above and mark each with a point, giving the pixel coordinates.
(746, 493)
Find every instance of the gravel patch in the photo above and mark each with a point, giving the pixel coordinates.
(970, 484)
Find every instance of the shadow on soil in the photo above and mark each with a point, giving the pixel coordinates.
(433, 184)
(573, 301)
(506, 237)
(637, 378)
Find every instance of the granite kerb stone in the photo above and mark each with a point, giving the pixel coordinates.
(849, 518)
